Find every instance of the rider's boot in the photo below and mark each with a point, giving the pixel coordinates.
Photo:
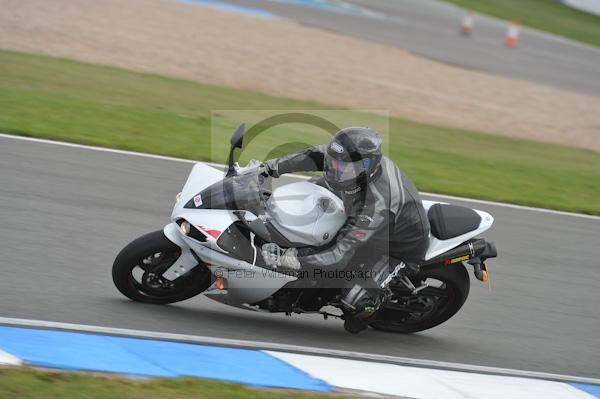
(354, 325)
(362, 301)
(360, 306)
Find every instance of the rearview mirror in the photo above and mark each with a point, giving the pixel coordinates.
(236, 142)
(238, 137)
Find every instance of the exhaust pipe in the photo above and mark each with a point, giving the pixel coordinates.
(474, 252)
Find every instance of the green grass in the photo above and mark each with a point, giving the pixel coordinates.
(70, 101)
(34, 384)
(547, 15)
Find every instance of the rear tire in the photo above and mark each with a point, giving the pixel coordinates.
(438, 304)
(149, 256)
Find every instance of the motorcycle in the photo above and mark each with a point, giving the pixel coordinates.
(227, 232)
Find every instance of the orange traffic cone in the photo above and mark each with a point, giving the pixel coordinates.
(467, 24)
(512, 35)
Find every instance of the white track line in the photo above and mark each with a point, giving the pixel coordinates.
(295, 349)
(425, 383)
(173, 159)
(6, 359)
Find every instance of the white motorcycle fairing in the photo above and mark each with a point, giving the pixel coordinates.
(438, 247)
(246, 282)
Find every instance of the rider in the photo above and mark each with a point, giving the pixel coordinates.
(385, 215)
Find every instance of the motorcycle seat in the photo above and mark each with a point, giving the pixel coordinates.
(449, 221)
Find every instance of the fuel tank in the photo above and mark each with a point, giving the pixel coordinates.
(306, 213)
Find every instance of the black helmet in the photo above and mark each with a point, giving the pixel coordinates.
(352, 158)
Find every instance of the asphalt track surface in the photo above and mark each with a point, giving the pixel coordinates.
(66, 212)
(431, 29)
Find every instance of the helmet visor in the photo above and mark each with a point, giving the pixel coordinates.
(342, 171)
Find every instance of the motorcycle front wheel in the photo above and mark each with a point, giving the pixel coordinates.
(447, 290)
(138, 268)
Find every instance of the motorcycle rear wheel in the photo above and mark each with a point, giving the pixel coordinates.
(430, 307)
(137, 272)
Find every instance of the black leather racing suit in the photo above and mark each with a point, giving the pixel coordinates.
(385, 218)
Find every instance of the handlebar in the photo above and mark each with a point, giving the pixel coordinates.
(253, 165)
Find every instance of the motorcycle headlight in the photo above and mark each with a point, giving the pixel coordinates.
(188, 229)
(185, 228)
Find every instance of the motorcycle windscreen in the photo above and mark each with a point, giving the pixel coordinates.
(241, 192)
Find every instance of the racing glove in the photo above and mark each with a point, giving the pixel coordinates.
(289, 259)
(269, 168)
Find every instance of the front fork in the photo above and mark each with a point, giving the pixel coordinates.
(186, 261)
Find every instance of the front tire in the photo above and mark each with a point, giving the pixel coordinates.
(138, 268)
(406, 313)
